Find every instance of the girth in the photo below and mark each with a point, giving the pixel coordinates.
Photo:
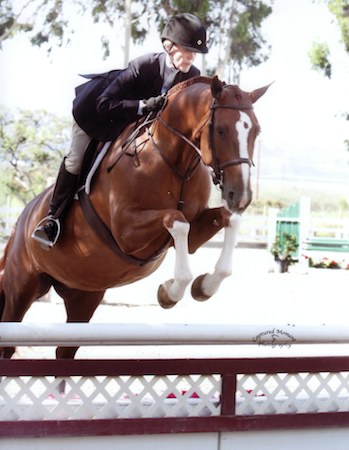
(101, 229)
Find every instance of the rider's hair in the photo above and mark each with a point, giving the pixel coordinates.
(167, 44)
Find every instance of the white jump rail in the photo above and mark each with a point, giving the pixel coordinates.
(152, 403)
(93, 334)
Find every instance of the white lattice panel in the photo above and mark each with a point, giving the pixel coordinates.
(102, 397)
(150, 396)
(284, 393)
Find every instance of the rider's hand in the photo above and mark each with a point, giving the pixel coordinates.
(153, 104)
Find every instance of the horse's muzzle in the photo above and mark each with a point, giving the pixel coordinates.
(236, 201)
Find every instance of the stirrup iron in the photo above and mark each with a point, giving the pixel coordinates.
(43, 242)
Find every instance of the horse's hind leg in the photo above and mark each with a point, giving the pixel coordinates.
(17, 296)
(80, 306)
(2, 302)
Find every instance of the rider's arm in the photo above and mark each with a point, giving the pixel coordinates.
(123, 97)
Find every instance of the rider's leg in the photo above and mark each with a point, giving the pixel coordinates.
(65, 187)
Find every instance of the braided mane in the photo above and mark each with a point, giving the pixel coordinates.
(189, 82)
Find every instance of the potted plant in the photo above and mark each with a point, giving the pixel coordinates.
(283, 250)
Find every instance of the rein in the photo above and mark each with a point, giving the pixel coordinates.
(148, 120)
(194, 163)
(180, 135)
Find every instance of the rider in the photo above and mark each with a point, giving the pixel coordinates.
(106, 104)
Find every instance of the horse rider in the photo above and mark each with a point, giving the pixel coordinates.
(106, 104)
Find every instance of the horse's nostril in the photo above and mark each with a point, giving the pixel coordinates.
(231, 195)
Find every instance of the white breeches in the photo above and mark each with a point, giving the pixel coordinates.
(75, 155)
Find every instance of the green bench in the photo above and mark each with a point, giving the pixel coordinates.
(326, 244)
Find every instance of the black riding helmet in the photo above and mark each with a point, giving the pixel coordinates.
(186, 30)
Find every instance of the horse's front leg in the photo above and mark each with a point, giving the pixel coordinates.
(173, 290)
(206, 285)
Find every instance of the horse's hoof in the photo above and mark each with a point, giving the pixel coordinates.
(197, 291)
(163, 298)
(61, 387)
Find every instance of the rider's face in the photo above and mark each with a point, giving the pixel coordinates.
(181, 58)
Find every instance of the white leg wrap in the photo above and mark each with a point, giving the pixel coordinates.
(182, 274)
(223, 267)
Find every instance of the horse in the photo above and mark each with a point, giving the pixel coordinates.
(150, 192)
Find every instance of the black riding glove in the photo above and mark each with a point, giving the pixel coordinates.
(153, 104)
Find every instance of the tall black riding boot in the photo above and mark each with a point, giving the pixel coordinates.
(48, 230)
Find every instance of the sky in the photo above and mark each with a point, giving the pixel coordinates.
(300, 115)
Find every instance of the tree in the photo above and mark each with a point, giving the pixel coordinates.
(32, 144)
(239, 36)
(233, 25)
(320, 55)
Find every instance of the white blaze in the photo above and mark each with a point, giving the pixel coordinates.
(243, 126)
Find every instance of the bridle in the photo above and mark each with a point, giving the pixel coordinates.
(217, 166)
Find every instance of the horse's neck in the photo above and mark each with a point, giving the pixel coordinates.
(186, 112)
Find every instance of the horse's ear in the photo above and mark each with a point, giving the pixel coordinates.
(257, 93)
(216, 87)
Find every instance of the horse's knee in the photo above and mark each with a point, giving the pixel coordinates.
(171, 217)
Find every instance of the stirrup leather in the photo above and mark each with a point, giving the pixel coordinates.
(36, 235)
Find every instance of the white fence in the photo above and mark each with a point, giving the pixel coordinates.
(153, 403)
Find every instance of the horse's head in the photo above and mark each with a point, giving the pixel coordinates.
(227, 141)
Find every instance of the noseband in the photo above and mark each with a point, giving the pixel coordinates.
(219, 166)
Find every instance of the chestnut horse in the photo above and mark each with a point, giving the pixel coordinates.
(151, 192)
